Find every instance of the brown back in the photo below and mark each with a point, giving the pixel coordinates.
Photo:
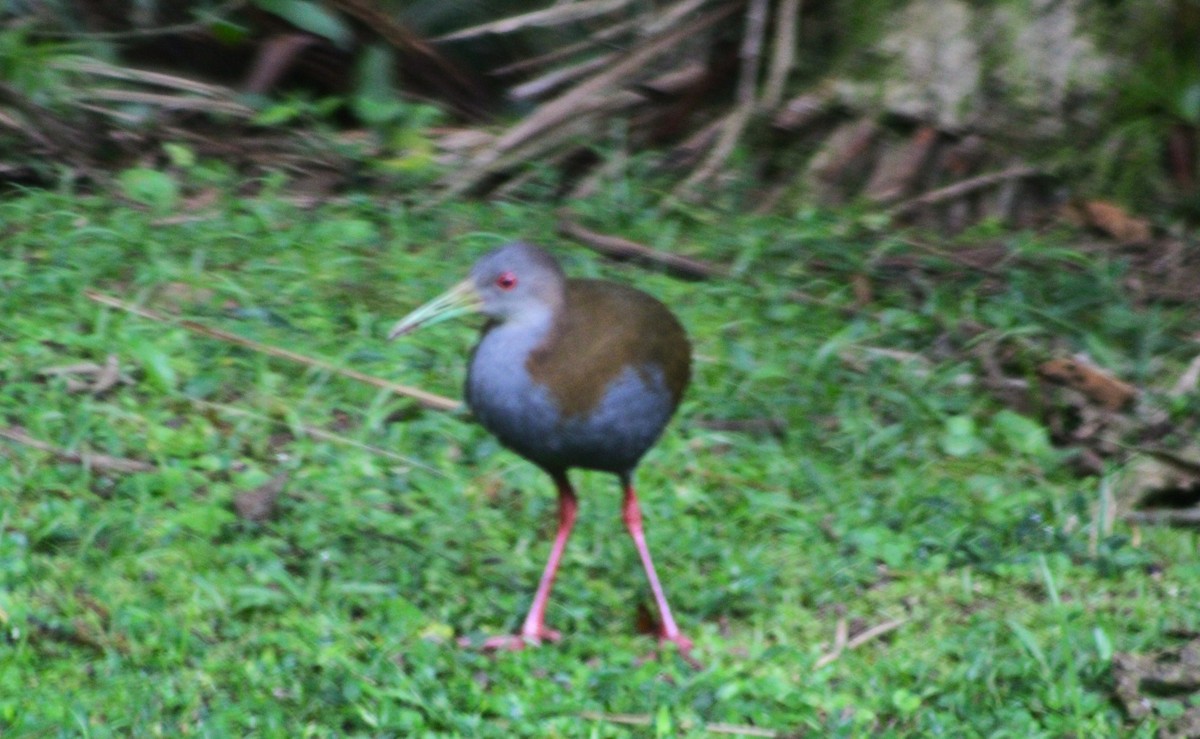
(602, 328)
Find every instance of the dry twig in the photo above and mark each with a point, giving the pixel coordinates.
(841, 644)
(427, 399)
(316, 433)
(783, 56)
(566, 52)
(96, 462)
(756, 22)
(619, 248)
(641, 719)
(556, 15)
(963, 188)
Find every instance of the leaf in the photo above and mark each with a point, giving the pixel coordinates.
(960, 437)
(278, 114)
(376, 111)
(205, 520)
(1030, 643)
(375, 78)
(224, 31)
(1022, 434)
(662, 722)
(157, 366)
(149, 187)
(1189, 104)
(906, 702)
(311, 17)
(375, 101)
(180, 155)
(1104, 647)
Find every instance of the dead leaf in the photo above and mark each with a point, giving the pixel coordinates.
(258, 505)
(1111, 220)
(1096, 384)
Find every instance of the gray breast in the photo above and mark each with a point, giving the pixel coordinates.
(612, 436)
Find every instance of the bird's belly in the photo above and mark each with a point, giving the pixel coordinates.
(612, 436)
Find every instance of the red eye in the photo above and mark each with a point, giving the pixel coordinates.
(506, 281)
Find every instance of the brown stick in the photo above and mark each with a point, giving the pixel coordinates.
(872, 633)
(315, 432)
(98, 462)
(619, 248)
(635, 719)
(964, 187)
(776, 427)
(566, 52)
(783, 54)
(427, 399)
(555, 15)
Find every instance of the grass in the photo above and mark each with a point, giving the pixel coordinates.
(141, 604)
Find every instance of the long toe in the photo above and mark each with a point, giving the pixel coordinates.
(684, 645)
(512, 642)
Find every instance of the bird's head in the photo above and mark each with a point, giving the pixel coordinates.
(517, 282)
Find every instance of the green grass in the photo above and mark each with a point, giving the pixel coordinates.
(140, 604)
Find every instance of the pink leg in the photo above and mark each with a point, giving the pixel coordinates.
(632, 513)
(534, 630)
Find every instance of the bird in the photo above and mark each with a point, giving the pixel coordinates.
(569, 374)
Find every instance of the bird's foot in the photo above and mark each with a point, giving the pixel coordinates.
(513, 642)
(682, 644)
(685, 644)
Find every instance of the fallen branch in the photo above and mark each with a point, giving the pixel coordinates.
(427, 399)
(96, 462)
(619, 248)
(964, 187)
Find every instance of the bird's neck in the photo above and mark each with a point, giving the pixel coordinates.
(510, 340)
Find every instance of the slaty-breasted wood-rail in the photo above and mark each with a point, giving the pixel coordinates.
(568, 373)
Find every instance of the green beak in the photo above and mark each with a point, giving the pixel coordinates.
(459, 300)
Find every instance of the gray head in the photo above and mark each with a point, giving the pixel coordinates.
(517, 282)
